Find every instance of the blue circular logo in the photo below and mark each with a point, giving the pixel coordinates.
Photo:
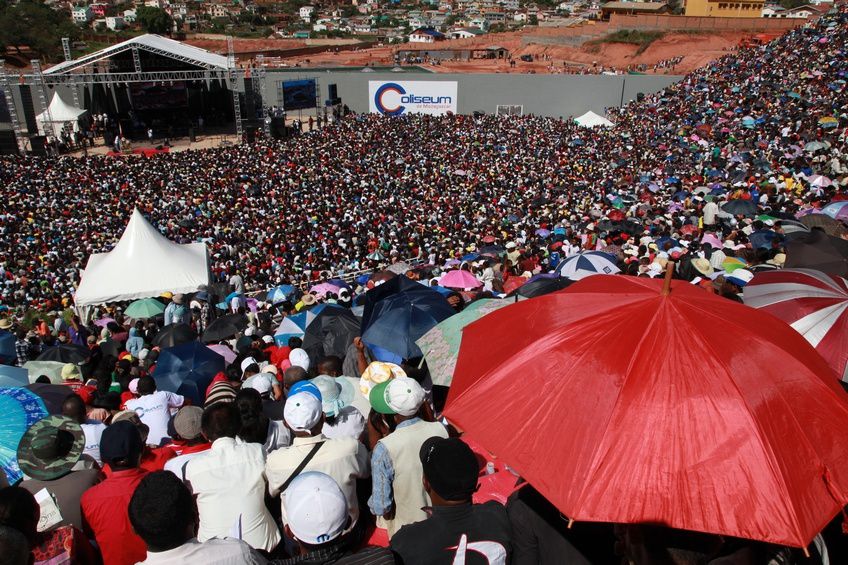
(378, 99)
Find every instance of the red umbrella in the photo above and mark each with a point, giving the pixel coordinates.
(815, 304)
(689, 229)
(620, 403)
(489, 239)
(616, 215)
(513, 283)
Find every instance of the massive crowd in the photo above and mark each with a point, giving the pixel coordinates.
(305, 457)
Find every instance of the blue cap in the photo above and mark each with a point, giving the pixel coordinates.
(305, 386)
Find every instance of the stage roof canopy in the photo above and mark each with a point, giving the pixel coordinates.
(150, 43)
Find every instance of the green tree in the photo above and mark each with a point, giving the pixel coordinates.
(31, 23)
(153, 20)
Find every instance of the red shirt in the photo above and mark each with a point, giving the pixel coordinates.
(104, 510)
(154, 458)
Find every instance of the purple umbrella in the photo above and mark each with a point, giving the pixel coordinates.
(323, 289)
(103, 322)
(224, 351)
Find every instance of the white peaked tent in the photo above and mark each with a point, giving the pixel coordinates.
(144, 263)
(61, 113)
(590, 120)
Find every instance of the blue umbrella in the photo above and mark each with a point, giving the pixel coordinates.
(7, 347)
(362, 279)
(661, 241)
(187, 369)
(280, 294)
(380, 354)
(397, 321)
(339, 283)
(21, 409)
(470, 257)
(542, 232)
(13, 376)
(288, 329)
(762, 239)
(588, 261)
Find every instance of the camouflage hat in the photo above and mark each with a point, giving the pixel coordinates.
(50, 448)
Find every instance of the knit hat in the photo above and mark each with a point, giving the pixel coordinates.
(220, 392)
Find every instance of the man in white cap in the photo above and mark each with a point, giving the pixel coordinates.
(344, 459)
(398, 494)
(317, 516)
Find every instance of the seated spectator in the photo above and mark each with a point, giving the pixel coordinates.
(104, 506)
(163, 513)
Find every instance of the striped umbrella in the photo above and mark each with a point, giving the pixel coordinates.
(815, 304)
(588, 261)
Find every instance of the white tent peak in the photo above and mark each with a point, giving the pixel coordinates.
(60, 113)
(590, 119)
(142, 264)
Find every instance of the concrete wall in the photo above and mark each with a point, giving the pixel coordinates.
(545, 95)
(669, 23)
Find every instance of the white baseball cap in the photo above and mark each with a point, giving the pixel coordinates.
(302, 412)
(402, 396)
(260, 383)
(247, 362)
(300, 358)
(315, 507)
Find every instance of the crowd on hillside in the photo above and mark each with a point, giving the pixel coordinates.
(293, 457)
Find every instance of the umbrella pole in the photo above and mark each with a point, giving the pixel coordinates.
(669, 271)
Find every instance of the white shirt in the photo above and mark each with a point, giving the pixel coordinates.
(214, 552)
(349, 422)
(229, 481)
(343, 459)
(93, 430)
(154, 410)
(176, 464)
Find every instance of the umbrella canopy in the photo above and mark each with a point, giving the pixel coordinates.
(542, 286)
(513, 283)
(21, 409)
(591, 261)
(13, 376)
(174, 334)
(103, 322)
(815, 304)
(321, 290)
(7, 347)
(144, 308)
(440, 345)
(288, 329)
(330, 333)
(393, 285)
(65, 353)
(740, 207)
(829, 225)
(187, 369)
(398, 320)
(819, 251)
(837, 210)
(224, 327)
(753, 447)
(53, 395)
(399, 268)
(459, 279)
(224, 351)
(51, 369)
(280, 294)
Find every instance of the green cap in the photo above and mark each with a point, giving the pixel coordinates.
(50, 448)
(377, 398)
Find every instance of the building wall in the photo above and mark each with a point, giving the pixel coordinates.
(545, 95)
(725, 8)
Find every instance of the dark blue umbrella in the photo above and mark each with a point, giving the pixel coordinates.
(397, 321)
(187, 369)
(7, 347)
(331, 332)
(762, 238)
